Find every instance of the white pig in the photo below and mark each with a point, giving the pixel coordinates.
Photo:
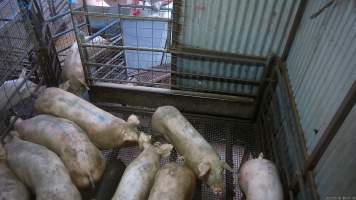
(259, 180)
(40, 169)
(198, 154)
(105, 130)
(72, 71)
(8, 90)
(83, 159)
(11, 187)
(139, 176)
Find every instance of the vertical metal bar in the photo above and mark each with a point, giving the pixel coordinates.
(293, 32)
(265, 81)
(83, 55)
(283, 75)
(85, 7)
(176, 12)
(229, 160)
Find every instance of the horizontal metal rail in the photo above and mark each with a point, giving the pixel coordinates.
(180, 87)
(64, 49)
(112, 70)
(186, 101)
(219, 56)
(148, 7)
(102, 30)
(98, 14)
(123, 47)
(57, 35)
(116, 40)
(217, 78)
(61, 15)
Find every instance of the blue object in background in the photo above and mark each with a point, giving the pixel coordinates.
(72, 1)
(147, 34)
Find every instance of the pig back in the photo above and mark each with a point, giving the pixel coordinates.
(82, 158)
(138, 177)
(41, 170)
(259, 180)
(173, 182)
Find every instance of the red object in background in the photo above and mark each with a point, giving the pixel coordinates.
(135, 12)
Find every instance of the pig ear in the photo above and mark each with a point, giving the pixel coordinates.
(203, 169)
(133, 119)
(226, 166)
(144, 140)
(260, 156)
(165, 150)
(65, 86)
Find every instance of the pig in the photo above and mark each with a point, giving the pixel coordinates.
(139, 175)
(173, 182)
(72, 71)
(82, 158)
(259, 180)
(104, 129)
(39, 169)
(11, 188)
(8, 90)
(198, 154)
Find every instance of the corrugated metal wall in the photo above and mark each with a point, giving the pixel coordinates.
(322, 64)
(335, 174)
(249, 27)
(322, 68)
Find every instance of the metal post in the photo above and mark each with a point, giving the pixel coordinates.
(85, 7)
(83, 55)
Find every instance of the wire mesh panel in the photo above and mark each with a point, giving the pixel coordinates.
(140, 39)
(14, 40)
(281, 135)
(137, 35)
(17, 74)
(56, 14)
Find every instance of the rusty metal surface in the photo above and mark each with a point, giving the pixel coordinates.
(214, 104)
